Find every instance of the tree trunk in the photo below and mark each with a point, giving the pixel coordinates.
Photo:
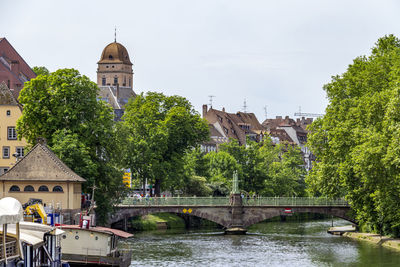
(144, 187)
(157, 188)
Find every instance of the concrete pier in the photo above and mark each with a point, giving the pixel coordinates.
(340, 230)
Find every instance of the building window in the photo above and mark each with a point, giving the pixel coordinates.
(43, 188)
(103, 81)
(8, 113)
(58, 188)
(115, 80)
(6, 152)
(124, 81)
(11, 133)
(19, 151)
(107, 67)
(110, 57)
(14, 188)
(29, 188)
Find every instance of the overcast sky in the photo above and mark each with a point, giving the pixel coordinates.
(277, 54)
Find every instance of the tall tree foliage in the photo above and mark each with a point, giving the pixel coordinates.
(40, 70)
(357, 142)
(161, 128)
(62, 107)
(263, 168)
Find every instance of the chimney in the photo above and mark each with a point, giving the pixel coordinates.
(223, 109)
(41, 140)
(204, 111)
(117, 91)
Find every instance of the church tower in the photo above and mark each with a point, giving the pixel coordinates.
(115, 77)
(115, 67)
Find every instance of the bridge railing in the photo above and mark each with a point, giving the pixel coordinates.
(177, 201)
(293, 201)
(224, 201)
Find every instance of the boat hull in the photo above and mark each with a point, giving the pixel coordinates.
(124, 260)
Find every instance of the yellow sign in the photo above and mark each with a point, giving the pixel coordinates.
(189, 210)
(126, 179)
(184, 210)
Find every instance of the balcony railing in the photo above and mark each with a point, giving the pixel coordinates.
(11, 250)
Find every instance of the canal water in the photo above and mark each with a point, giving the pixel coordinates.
(266, 244)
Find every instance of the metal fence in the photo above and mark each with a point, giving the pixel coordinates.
(177, 201)
(293, 201)
(224, 201)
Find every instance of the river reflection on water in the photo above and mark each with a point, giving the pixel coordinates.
(266, 244)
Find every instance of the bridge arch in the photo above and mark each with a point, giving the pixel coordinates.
(254, 215)
(207, 214)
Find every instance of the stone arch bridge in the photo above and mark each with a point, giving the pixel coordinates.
(232, 212)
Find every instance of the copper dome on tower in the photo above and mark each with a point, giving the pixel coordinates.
(115, 53)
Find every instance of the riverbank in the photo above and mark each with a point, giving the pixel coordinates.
(156, 222)
(384, 241)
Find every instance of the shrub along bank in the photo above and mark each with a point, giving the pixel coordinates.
(156, 221)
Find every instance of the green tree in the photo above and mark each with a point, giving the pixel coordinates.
(357, 142)
(285, 172)
(40, 70)
(221, 166)
(62, 108)
(252, 172)
(161, 129)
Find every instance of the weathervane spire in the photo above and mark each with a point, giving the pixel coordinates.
(115, 34)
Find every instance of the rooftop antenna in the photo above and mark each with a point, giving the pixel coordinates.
(244, 106)
(266, 111)
(211, 100)
(115, 34)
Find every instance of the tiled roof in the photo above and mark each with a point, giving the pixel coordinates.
(6, 96)
(41, 164)
(235, 125)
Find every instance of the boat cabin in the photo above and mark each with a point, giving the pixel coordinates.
(93, 245)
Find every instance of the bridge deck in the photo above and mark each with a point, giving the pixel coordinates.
(225, 201)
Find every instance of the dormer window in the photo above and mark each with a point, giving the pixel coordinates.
(110, 57)
(8, 113)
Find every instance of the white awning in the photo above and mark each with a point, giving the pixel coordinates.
(10, 211)
(33, 233)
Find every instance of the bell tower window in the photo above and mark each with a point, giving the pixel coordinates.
(103, 81)
(115, 80)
